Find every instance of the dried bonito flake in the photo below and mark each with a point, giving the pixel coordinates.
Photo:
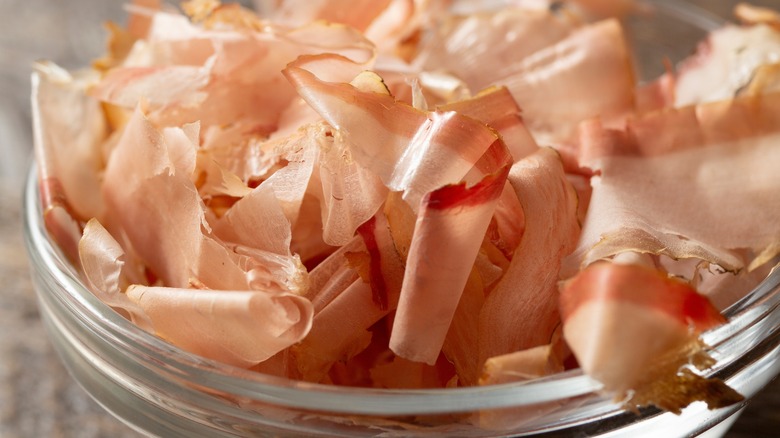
(665, 179)
(455, 217)
(528, 286)
(750, 14)
(407, 194)
(726, 62)
(241, 328)
(635, 329)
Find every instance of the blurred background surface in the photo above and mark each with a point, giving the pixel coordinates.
(37, 397)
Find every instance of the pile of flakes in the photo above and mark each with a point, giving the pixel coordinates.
(419, 193)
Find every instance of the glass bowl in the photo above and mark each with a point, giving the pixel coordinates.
(160, 390)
